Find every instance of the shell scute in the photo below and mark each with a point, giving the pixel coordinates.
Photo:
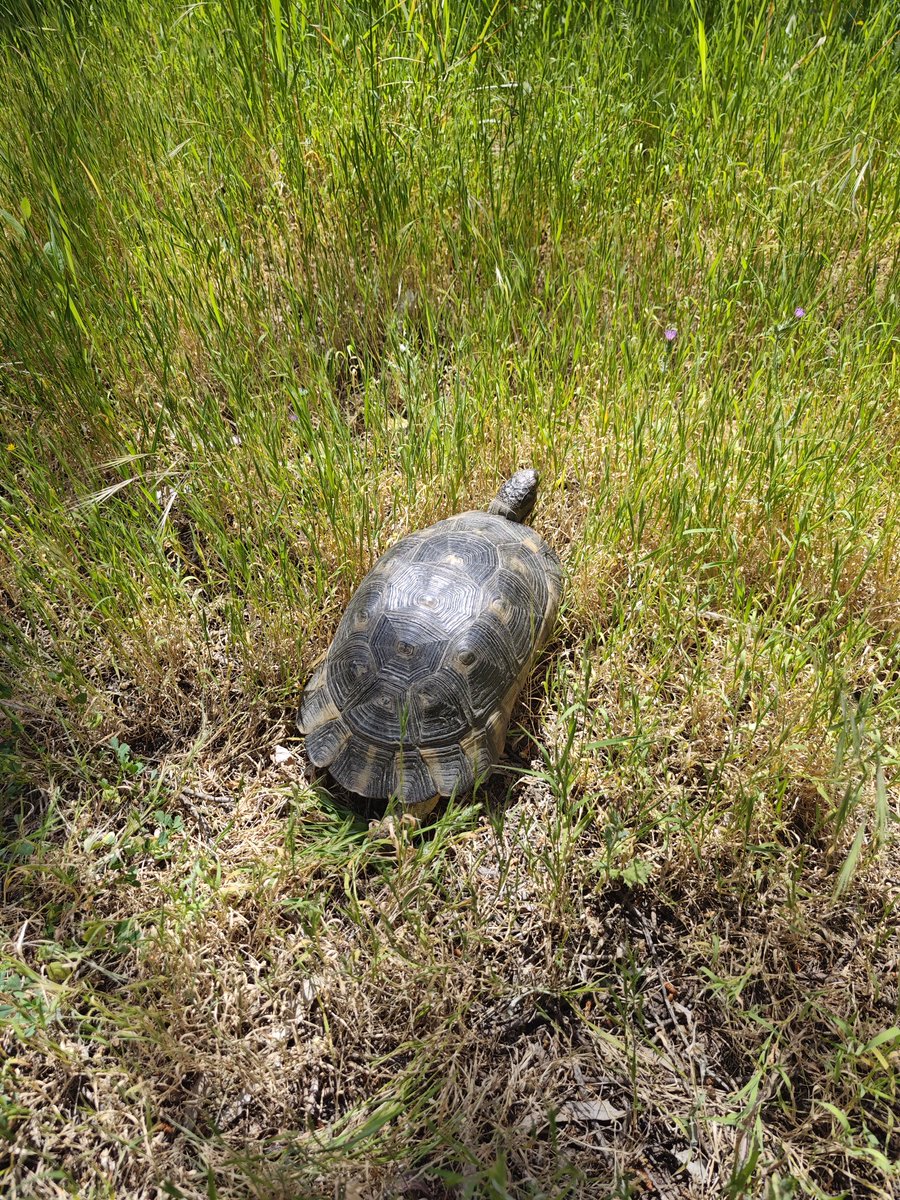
(485, 659)
(435, 598)
(406, 648)
(450, 770)
(441, 707)
(365, 767)
(325, 742)
(352, 671)
(386, 718)
(462, 551)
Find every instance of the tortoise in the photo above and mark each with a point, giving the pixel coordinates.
(414, 695)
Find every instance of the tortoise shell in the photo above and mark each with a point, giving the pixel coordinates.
(414, 696)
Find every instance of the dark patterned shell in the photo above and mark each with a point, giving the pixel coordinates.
(415, 693)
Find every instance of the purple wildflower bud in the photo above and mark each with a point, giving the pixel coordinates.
(799, 312)
(670, 334)
(292, 416)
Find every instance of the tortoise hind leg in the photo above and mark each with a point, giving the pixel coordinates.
(422, 809)
(388, 828)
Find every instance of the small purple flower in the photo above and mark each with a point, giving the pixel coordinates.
(292, 416)
(670, 334)
(799, 312)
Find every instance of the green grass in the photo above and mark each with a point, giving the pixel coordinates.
(282, 282)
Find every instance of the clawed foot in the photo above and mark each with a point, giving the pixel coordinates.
(392, 828)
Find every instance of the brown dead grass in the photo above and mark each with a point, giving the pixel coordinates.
(491, 998)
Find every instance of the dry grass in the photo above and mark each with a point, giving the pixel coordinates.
(498, 1001)
(578, 986)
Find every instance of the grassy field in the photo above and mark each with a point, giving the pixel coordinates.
(280, 282)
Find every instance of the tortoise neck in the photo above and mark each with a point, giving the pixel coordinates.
(499, 509)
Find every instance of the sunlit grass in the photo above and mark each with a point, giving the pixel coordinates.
(280, 283)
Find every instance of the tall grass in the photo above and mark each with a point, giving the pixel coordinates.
(281, 282)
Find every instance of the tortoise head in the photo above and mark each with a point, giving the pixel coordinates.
(516, 498)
